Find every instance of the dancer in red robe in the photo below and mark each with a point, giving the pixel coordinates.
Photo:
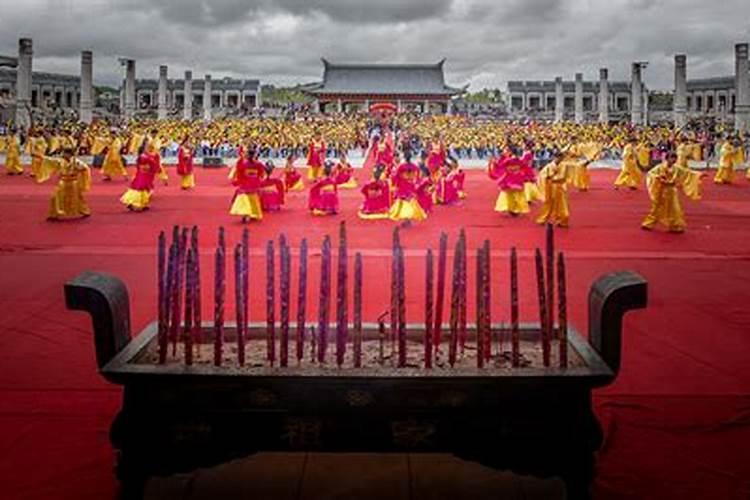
(148, 165)
(344, 173)
(377, 193)
(292, 178)
(248, 174)
(185, 165)
(316, 156)
(324, 196)
(406, 206)
(510, 179)
(436, 156)
(271, 190)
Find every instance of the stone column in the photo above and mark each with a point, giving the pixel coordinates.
(207, 98)
(339, 106)
(603, 95)
(187, 109)
(23, 83)
(680, 90)
(426, 106)
(579, 98)
(636, 95)
(645, 107)
(742, 90)
(559, 100)
(161, 98)
(129, 88)
(85, 113)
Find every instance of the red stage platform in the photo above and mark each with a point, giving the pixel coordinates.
(677, 420)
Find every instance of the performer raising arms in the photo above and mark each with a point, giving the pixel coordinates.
(248, 174)
(316, 155)
(530, 187)
(74, 179)
(405, 206)
(377, 202)
(324, 197)
(664, 182)
(344, 173)
(138, 197)
(728, 155)
(630, 173)
(271, 190)
(185, 165)
(510, 179)
(555, 177)
(292, 178)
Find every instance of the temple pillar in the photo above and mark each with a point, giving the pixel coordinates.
(339, 106)
(23, 83)
(636, 95)
(603, 95)
(680, 90)
(86, 109)
(187, 107)
(162, 94)
(579, 98)
(559, 100)
(207, 98)
(129, 89)
(742, 90)
(426, 106)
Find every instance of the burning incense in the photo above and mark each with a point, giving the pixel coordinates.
(550, 248)
(428, 334)
(543, 320)
(219, 290)
(358, 310)
(401, 310)
(455, 292)
(341, 298)
(516, 357)
(325, 299)
(239, 301)
(187, 334)
(440, 298)
(562, 311)
(301, 300)
(284, 264)
(270, 305)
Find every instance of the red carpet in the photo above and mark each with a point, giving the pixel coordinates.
(677, 420)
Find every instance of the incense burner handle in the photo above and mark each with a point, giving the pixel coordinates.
(610, 297)
(105, 298)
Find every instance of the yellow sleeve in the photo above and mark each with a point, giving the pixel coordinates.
(49, 167)
(691, 183)
(84, 176)
(653, 185)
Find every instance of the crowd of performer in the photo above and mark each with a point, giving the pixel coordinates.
(411, 163)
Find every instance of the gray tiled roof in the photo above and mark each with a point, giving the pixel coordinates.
(41, 78)
(717, 83)
(8, 61)
(425, 79)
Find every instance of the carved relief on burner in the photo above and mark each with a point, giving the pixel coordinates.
(359, 398)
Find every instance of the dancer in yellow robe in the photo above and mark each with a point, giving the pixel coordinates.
(664, 183)
(554, 179)
(37, 148)
(74, 179)
(630, 174)
(12, 155)
(725, 173)
(113, 165)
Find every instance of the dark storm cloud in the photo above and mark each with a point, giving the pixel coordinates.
(486, 42)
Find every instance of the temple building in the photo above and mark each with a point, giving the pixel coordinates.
(47, 89)
(349, 87)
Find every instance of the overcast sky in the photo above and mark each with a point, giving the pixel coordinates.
(486, 42)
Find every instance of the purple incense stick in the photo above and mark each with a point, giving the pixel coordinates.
(428, 309)
(219, 291)
(325, 299)
(357, 310)
(245, 275)
(270, 305)
(480, 309)
(394, 286)
(168, 301)
(455, 291)
(341, 298)
(284, 263)
(239, 301)
(543, 320)
(161, 292)
(301, 300)
(462, 293)
(562, 311)
(197, 316)
(487, 295)
(516, 358)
